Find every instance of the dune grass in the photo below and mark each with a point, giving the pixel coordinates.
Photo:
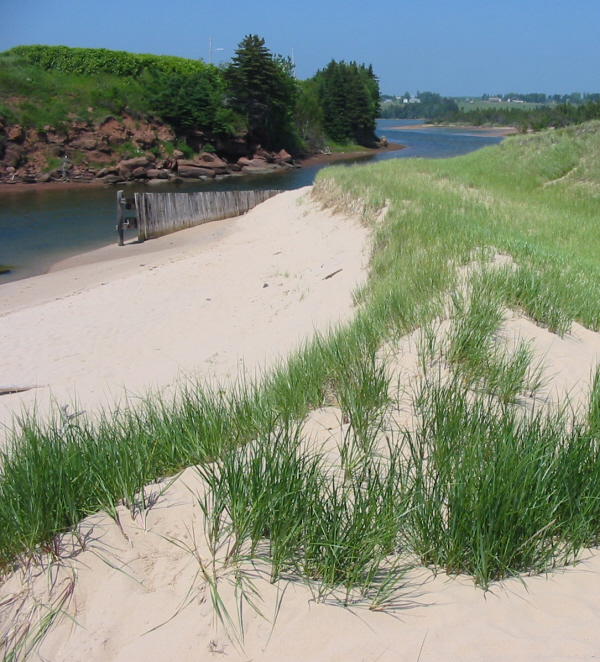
(480, 485)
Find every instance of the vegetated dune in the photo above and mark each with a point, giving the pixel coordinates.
(407, 487)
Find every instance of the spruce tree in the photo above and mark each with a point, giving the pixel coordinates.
(262, 90)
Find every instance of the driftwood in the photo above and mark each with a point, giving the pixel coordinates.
(16, 388)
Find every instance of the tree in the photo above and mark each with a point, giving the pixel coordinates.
(190, 101)
(262, 90)
(349, 96)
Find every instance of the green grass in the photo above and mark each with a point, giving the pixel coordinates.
(479, 485)
(34, 97)
(339, 148)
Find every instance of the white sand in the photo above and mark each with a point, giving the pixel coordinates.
(138, 595)
(213, 301)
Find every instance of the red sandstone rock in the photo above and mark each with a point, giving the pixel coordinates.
(85, 142)
(16, 134)
(136, 162)
(194, 172)
(283, 156)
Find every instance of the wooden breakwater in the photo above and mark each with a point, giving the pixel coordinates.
(157, 214)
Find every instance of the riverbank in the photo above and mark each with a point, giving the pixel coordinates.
(302, 162)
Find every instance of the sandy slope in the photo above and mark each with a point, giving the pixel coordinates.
(212, 300)
(138, 592)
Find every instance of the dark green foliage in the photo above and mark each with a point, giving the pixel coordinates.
(432, 106)
(349, 97)
(189, 101)
(262, 90)
(308, 116)
(89, 61)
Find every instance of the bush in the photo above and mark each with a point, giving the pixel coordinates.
(88, 61)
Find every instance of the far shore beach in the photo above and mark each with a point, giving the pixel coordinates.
(489, 131)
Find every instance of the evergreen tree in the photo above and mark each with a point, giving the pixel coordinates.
(262, 90)
(349, 96)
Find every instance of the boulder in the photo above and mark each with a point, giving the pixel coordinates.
(253, 170)
(16, 134)
(209, 160)
(194, 172)
(243, 161)
(283, 157)
(28, 179)
(112, 179)
(257, 163)
(177, 154)
(137, 162)
(124, 173)
(188, 162)
(157, 174)
(157, 182)
(43, 177)
(85, 142)
(261, 153)
(139, 173)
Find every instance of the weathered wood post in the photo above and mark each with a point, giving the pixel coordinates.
(120, 218)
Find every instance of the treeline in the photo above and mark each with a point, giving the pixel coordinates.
(431, 106)
(535, 119)
(255, 97)
(540, 97)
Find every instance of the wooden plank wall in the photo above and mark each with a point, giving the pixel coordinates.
(163, 213)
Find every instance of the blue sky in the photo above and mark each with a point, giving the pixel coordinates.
(455, 47)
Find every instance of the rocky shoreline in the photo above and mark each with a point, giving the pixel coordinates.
(120, 150)
(126, 150)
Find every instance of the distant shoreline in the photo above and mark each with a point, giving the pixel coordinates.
(488, 131)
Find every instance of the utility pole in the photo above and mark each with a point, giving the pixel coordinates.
(210, 49)
(293, 62)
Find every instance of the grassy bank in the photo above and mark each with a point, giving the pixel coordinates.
(476, 484)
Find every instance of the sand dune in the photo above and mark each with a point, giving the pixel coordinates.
(223, 297)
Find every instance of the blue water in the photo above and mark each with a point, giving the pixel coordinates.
(41, 227)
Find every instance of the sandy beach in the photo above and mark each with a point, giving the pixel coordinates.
(217, 301)
(487, 131)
